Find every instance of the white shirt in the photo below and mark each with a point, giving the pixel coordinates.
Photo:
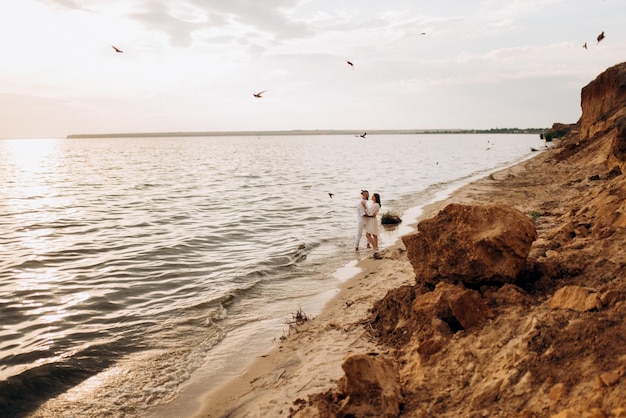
(361, 211)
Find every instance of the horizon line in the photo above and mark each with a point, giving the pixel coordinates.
(305, 132)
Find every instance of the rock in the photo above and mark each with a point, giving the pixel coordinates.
(610, 378)
(469, 309)
(561, 236)
(610, 297)
(524, 386)
(575, 298)
(507, 295)
(472, 244)
(390, 218)
(371, 387)
(487, 395)
(459, 308)
(557, 392)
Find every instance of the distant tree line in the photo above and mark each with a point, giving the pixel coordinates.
(558, 130)
(508, 131)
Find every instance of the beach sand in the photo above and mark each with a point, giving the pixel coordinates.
(560, 190)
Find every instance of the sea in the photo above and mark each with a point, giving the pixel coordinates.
(136, 274)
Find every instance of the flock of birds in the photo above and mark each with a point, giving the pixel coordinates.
(598, 39)
(259, 95)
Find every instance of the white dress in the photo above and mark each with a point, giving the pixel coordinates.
(372, 222)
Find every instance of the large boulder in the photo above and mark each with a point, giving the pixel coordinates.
(474, 245)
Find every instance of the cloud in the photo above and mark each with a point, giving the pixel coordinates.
(242, 18)
(270, 16)
(70, 4)
(156, 16)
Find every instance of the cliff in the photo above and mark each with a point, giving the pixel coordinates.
(479, 333)
(603, 103)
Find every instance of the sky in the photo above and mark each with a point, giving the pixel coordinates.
(194, 65)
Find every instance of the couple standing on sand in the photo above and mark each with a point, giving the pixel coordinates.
(367, 220)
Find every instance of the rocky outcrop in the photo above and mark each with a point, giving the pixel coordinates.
(602, 100)
(473, 245)
(603, 103)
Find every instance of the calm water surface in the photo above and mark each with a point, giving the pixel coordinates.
(131, 267)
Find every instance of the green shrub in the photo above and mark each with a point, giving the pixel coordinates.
(390, 218)
(534, 216)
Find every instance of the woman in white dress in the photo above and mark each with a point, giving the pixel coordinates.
(371, 227)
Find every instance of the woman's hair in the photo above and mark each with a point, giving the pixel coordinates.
(378, 199)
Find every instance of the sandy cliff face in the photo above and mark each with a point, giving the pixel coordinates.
(603, 103)
(549, 340)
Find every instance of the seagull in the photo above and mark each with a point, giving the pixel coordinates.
(350, 64)
(585, 45)
(363, 135)
(116, 49)
(600, 37)
(258, 95)
(331, 195)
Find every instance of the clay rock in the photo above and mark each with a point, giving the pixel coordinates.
(487, 395)
(459, 308)
(575, 298)
(473, 244)
(371, 386)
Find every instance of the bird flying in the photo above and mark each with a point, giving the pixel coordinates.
(258, 95)
(331, 195)
(363, 134)
(350, 64)
(116, 49)
(600, 37)
(585, 45)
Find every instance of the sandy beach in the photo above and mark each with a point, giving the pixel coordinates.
(538, 355)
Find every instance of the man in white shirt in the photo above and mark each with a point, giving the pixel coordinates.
(361, 218)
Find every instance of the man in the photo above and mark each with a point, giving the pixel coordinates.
(361, 218)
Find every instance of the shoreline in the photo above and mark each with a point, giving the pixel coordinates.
(309, 360)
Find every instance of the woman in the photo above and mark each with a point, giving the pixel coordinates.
(371, 227)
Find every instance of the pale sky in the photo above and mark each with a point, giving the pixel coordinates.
(193, 65)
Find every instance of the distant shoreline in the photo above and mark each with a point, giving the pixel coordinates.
(313, 132)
